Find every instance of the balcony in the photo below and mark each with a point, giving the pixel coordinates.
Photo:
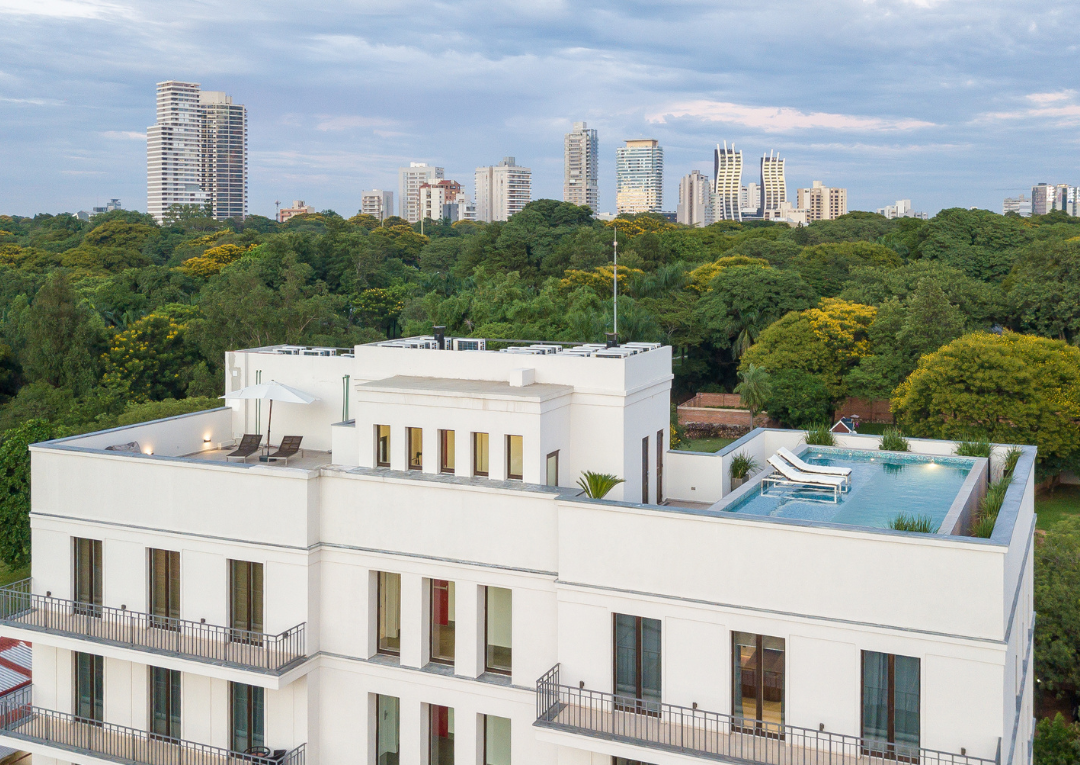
(711, 735)
(20, 720)
(196, 641)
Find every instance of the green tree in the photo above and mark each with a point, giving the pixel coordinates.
(1057, 582)
(15, 491)
(150, 359)
(1057, 742)
(798, 399)
(826, 267)
(980, 243)
(754, 389)
(1010, 388)
(1044, 290)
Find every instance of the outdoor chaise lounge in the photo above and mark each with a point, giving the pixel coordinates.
(290, 445)
(249, 444)
(790, 476)
(806, 467)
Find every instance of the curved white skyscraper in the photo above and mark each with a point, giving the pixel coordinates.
(773, 186)
(727, 169)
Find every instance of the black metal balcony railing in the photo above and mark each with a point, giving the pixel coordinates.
(713, 735)
(20, 719)
(146, 632)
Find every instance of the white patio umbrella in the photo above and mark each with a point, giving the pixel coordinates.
(271, 391)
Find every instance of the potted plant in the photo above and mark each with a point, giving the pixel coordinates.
(742, 466)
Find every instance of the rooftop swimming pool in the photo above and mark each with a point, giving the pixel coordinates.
(883, 485)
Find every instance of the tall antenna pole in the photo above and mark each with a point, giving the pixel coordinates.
(615, 281)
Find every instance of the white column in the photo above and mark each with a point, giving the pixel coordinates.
(497, 457)
(468, 628)
(431, 450)
(413, 733)
(413, 620)
(466, 736)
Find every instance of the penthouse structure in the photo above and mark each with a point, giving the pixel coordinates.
(411, 574)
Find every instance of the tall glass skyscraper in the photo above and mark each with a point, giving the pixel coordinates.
(639, 176)
(580, 167)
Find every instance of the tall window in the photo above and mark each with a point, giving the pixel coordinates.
(446, 451)
(515, 458)
(890, 704)
(164, 587)
(382, 446)
(389, 616)
(758, 680)
(440, 735)
(247, 714)
(637, 661)
(165, 702)
(387, 730)
(245, 597)
(645, 470)
(498, 619)
(442, 621)
(89, 686)
(415, 439)
(480, 454)
(659, 466)
(496, 740)
(552, 477)
(87, 554)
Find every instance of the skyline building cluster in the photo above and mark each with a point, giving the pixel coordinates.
(1045, 198)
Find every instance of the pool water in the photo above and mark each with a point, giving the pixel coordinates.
(883, 485)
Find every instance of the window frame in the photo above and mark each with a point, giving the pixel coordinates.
(487, 620)
(660, 467)
(511, 476)
(419, 464)
(447, 448)
(379, 451)
(380, 616)
(432, 624)
(645, 470)
(476, 450)
(890, 734)
(547, 468)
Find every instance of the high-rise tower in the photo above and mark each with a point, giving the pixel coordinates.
(773, 186)
(639, 176)
(223, 154)
(727, 169)
(502, 190)
(580, 172)
(695, 200)
(410, 179)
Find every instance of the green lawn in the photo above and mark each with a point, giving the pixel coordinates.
(705, 444)
(7, 575)
(1062, 503)
(873, 428)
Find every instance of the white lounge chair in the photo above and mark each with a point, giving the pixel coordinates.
(790, 476)
(806, 467)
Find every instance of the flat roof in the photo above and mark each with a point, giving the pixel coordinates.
(466, 388)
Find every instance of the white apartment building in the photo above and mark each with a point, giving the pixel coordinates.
(581, 163)
(434, 197)
(728, 199)
(378, 203)
(425, 584)
(822, 202)
(902, 209)
(409, 181)
(298, 207)
(1020, 205)
(773, 186)
(1042, 198)
(639, 177)
(502, 190)
(695, 200)
(197, 152)
(750, 199)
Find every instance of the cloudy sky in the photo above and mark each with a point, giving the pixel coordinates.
(946, 102)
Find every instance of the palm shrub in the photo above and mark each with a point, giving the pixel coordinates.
(892, 440)
(597, 485)
(742, 465)
(979, 447)
(820, 435)
(923, 524)
(753, 389)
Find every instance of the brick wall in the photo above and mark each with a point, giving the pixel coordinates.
(726, 409)
(869, 410)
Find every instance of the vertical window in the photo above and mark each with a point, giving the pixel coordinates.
(389, 617)
(498, 620)
(89, 686)
(645, 470)
(659, 466)
(442, 621)
(515, 458)
(87, 553)
(758, 680)
(552, 477)
(637, 662)
(382, 446)
(415, 439)
(447, 448)
(440, 735)
(890, 704)
(496, 740)
(246, 717)
(245, 597)
(164, 587)
(480, 454)
(164, 702)
(387, 730)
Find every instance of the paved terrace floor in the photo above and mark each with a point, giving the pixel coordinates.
(306, 459)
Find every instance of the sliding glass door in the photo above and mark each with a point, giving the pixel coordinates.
(890, 705)
(164, 702)
(89, 686)
(87, 555)
(758, 682)
(245, 600)
(637, 663)
(165, 588)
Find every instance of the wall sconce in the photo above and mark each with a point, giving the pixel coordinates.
(581, 684)
(821, 726)
(150, 451)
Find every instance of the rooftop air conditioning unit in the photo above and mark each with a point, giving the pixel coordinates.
(546, 350)
(615, 353)
(642, 346)
(470, 344)
(521, 350)
(579, 351)
(289, 350)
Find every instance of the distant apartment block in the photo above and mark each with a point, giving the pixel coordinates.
(581, 166)
(639, 177)
(902, 209)
(434, 197)
(773, 186)
(1020, 205)
(1065, 198)
(750, 199)
(822, 202)
(409, 181)
(695, 200)
(377, 203)
(112, 204)
(1042, 198)
(502, 190)
(299, 207)
(728, 201)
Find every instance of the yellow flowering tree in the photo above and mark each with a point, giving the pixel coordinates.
(599, 279)
(698, 279)
(150, 359)
(214, 259)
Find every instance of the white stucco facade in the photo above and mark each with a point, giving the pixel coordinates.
(324, 527)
